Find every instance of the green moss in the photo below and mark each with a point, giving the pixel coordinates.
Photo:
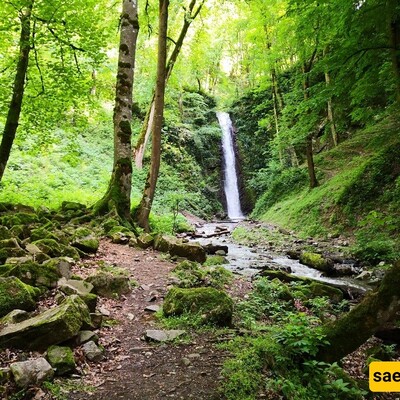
(110, 284)
(214, 305)
(15, 294)
(215, 260)
(61, 359)
(320, 290)
(316, 261)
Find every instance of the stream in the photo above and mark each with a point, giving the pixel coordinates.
(249, 261)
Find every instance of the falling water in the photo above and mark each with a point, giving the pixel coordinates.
(231, 182)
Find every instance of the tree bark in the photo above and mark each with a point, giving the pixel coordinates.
(395, 55)
(14, 111)
(148, 121)
(353, 329)
(143, 211)
(118, 195)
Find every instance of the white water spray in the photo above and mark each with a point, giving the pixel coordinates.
(230, 175)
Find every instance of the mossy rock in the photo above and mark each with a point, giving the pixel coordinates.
(320, 290)
(282, 276)
(12, 252)
(16, 294)
(85, 240)
(5, 233)
(120, 235)
(145, 240)
(19, 219)
(61, 359)
(190, 274)
(215, 260)
(110, 284)
(54, 249)
(33, 273)
(193, 251)
(72, 206)
(43, 233)
(214, 305)
(318, 262)
(51, 327)
(109, 224)
(20, 231)
(10, 243)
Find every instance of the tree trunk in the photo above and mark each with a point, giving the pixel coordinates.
(276, 110)
(395, 54)
(147, 124)
(14, 111)
(143, 211)
(309, 140)
(118, 195)
(359, 324)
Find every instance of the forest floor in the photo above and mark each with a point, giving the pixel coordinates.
(137, 369)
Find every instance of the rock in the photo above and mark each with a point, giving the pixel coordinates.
(212, 249)
(5, 233)
(5, 376)
(86, 336)
(35, 274)
(85, 240)
(93, 352)
(319, 289)
(154, 308)
(16, 294)
(163, 336)
(145, 240)
(109, 284)
(215, 306)
(318, 262)
(20, 218)
(61, 359)
(364, 276)
(56, 249)
(18, 260)
(72, 206)
(282, 276)
(175, 247)
(53, 326)
(293, 254)
(10, 244)
(32, 372)
(120, 235)
(96, 319)
(221, 253)
(63, 266)
(74, 286)
(109, 224)
(14, 317)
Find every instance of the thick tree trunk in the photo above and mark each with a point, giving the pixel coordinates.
(354, 328)
(148, 122)
(14, 111)
(118, 195)
(395, 54)
(143, 211)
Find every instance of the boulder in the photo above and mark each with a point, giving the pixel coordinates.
(75, 286)
(33, 273)
(61, 359)
(213, 248)
(62, 264)
(4, 233)
(53, 326)
(317, 261)
(31, 372)
(86, 336)
(145, 240)
(93, 352)
(120, 234)
(14, 317)
(16, 294)
(20, 218)
(110, 283)
(319, 289)
(214, 305)
(72, 206)
(56, 249)
(176, 247)
(85, 240)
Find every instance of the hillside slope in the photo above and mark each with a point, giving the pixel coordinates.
(358, 196)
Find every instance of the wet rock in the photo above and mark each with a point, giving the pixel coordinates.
(16, 294)
(53, 326)
(214, 305)
(61, 359)
(364, 276)
(213, 248)
(32, 372)
(93, 352)
(318, 262)
(163, 336)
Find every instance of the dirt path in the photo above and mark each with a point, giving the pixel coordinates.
(136, 369)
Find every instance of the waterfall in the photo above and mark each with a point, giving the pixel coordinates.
(230, 176)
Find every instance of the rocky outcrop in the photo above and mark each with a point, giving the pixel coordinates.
(16, 294)
(53, 326)
(213, 305)
(177, 247)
